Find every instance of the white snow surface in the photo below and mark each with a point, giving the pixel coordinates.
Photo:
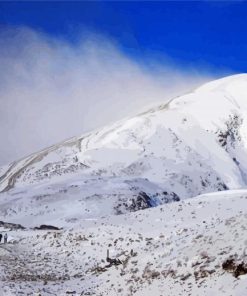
(177, 249)
(115, 189)
(195, 144)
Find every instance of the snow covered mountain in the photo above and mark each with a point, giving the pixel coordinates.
(194, 144)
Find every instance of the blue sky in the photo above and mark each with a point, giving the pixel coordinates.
(93, 63)
(191, 33)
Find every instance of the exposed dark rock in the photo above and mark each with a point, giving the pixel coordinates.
(233, 266)
(231, 135)
(47, 227)
(143, 201)
(240, 269)
(229, 265)
(11, 226)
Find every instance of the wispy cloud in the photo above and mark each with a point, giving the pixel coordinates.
(51, 89)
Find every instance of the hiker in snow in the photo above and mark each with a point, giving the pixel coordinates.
(1, 237)
(5, 238)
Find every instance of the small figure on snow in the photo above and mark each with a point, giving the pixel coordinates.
(5, 238)
(112, 261)
(1, 237)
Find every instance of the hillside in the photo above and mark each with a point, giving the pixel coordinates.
(194, 144)
(145, 190)
(192, 247)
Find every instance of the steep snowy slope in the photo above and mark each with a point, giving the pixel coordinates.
(196, 143)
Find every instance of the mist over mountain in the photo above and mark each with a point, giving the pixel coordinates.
(52, 89)
(191, 145)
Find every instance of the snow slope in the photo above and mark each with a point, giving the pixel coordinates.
(194, 144)
(177, 249)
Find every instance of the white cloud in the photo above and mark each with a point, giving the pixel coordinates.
(51, 89)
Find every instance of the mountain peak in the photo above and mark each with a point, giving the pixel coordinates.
(192, 145)
(224, 83)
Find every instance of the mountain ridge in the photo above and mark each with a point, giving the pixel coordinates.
(191, 145)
